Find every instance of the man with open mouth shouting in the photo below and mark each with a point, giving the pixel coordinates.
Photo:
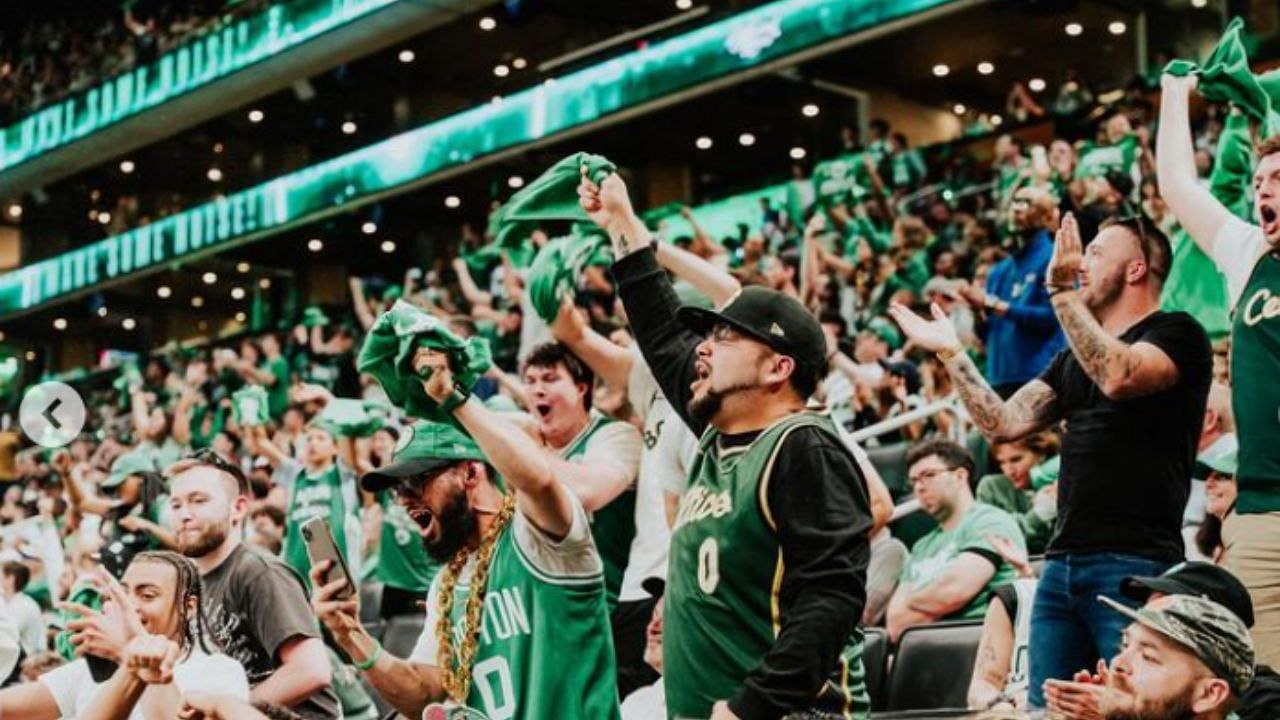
(1249, 257)
(516, 620)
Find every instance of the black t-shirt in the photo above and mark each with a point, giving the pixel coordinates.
(254, 603)
(1126, 464)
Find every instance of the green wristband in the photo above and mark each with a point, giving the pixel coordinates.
(373, 659)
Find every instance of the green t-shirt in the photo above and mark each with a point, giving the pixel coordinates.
(935, 552)
(277, 394)
(999, 491)
(331, 494)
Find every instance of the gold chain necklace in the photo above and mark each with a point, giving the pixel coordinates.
(457, 677)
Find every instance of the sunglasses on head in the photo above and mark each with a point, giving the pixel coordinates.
(208, 456)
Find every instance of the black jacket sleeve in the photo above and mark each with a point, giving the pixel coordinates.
(819, 500)
(669, 347)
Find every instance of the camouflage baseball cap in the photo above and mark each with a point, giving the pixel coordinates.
(1210, 631)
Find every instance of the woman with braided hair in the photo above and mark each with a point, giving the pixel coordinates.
(155, 616)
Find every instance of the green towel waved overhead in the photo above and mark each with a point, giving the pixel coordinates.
(249, 406)
(388, 353)
(1225, 77)
(349, 417)
(552, 196)
(556, 269)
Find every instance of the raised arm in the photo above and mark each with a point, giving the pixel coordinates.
(1198, 211)
(360, 303)
(1032, 408)
(472, 292)
(606, 359)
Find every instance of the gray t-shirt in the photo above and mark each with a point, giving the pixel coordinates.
(254, 603)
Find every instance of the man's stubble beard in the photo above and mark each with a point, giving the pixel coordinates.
(207, 541)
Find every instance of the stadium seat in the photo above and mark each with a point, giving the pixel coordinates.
(891, 462)
(933, 666)
(370, 601)
(875, 658)
(376, 627)
(402, 634)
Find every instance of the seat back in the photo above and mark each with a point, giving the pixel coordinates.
(875, 661)
(933, 666)
(891, 462)
(370, 601)
(402, 634)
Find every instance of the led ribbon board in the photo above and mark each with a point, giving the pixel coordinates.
(195, 64)
(768, 33)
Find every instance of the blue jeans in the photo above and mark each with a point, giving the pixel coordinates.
(1070, 629)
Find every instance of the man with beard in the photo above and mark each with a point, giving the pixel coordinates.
(1183, 658)
(1248, 258)
(1021, 332)
(256, 605)
(1132, 391)
(516, 621)
(767, 568)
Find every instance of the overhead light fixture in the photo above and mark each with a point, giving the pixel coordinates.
(102, 311)
(1036, 84)
(59, 323)
(996, 120)
(746, 139)
(241, 317)
(237, 293)
(798, 153)
(1199, 3)
(209, 278)
(349, 128)
(15, 211)
(986, 68)
(31, 356)
(810, 110)
(519, 63)
(369, 228)
(255, 116)
(264, 283)
(959, 109)
(488, 23)
(941, 70)
(501, 70)
(452, 202)
(163, 292)
(407, 56)
(242, 267)
(128, 323)
(1074, 29)
(684, 4)
(703, 143)
(214, 175)
(197, 301)
(315, 244)
(515, 182)
(126, 166)
(104, 217)
(1117, 27)
(218, 148)
(388, 246)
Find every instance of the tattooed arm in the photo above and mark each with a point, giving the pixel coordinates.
(1032, 408)
(995, 655)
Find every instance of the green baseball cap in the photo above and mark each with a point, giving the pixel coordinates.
(422, 448)
(130, 463)
(886, 331)
(1225, 463)
(769, 317)
(1211, 632)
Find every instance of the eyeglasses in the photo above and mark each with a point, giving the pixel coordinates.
(410, 488)
(210, 457)
(928, 475)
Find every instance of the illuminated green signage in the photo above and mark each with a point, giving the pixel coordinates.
(765, 34)
(195, 64)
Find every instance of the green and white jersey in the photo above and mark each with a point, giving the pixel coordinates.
(933, 554)
(545, 646)
(1252, 273)
(330, 494)
(722, 612)
(605, 440)
(1098, 160)
(403, 562)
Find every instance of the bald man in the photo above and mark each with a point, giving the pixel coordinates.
(1022, 333)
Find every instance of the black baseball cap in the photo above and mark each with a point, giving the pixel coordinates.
(1201, 579)
(770, 317)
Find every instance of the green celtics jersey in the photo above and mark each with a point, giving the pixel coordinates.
(614, 525)
(324, 495)
(1098, 160)
(402, 561)
(721, 614)
(841, 180)
(1255, 345)
(545, 646)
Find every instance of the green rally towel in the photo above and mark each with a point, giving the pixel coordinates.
(841, 180)
(313, 316)
(349, 417)
(388, 353)
(249, 406)
(1225, 77)
(552, 196)
(559, 264)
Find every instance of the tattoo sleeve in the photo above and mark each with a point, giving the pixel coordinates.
(1106, 360)
(1030, 409)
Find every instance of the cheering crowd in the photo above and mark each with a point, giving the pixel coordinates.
(615, 472)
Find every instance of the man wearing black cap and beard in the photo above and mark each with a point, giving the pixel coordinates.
(768, 560)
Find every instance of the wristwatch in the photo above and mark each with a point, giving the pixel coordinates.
(456, 399)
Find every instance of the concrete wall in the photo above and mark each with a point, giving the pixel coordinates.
(922, 124)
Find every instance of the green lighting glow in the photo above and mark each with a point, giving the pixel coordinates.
(195, 64)
(763, 35)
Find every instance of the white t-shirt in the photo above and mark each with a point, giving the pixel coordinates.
(73, 688)
(10, 647)
(1236, 250)
(30, 621)
(647, 703)
(574, 556)
(668, 450)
